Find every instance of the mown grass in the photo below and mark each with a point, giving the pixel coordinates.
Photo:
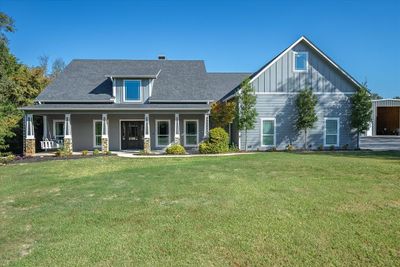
(264, 209)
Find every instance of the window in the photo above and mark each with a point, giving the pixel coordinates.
(191, 132)
(162, 133)
(300, 61)
(267, 132)
(97, 133)
(331, 132)
(132, 91)
(58, 130)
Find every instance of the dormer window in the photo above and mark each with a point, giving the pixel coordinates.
(132, 91)
(300, 61)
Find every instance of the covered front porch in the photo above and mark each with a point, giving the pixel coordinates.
(76, 131)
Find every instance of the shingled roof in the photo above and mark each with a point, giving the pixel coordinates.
(177, 80)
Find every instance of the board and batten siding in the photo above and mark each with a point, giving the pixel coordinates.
(321, 76)
(277, 87)
(119, 84)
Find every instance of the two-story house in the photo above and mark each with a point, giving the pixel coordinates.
(150, 104)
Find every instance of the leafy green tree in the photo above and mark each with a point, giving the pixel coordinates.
(246, 113)
(223, 113)
(396, 97)
(6, 25)
(361, 111)
(19, 85)
(306, 102)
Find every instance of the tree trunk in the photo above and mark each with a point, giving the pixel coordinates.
(358, 140)
(305, 139)
(245, 139)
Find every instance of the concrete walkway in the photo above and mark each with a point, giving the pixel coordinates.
(131, 155)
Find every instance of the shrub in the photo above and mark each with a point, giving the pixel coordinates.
(63, 152)
(290, 148)
(108, 153)
(96, 152)
(346, 147)
(85, 152)
(218, 142)
(175, 149)
(273, 149)
(332, 148)
(233, 148)
(7, 159)
(320, 147)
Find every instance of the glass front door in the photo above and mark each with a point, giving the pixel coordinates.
(132, 135)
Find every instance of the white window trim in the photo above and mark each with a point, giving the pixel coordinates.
(140, 92)
(169, 132)
(261, 132)
(338, 131)
(197, 133)
(54, 128)
(94, 133)
(294, 61)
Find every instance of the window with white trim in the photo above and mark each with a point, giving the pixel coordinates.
(267, 132)
(300, 61)
(97, 125)
(162, 132)
(331, 131)
(191, 132)
(132, 91)
(58, 130)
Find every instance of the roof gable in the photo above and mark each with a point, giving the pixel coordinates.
(256, 74)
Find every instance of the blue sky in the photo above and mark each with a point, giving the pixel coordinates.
(361, 36)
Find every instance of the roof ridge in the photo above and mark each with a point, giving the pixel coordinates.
(110, 59)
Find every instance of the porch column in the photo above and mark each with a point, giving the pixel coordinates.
(104, 133)
(206, 125)
(67, 133)
(177, 136)
(30, 146)
(147, 145)
(45, 127)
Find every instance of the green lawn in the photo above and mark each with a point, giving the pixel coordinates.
(262, 209)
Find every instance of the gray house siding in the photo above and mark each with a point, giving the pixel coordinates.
(83, 131)
(119, 85)
(277, 87)
(282, 108)
(321, 75)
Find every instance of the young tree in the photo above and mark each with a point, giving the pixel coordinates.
(396, 97)
(306, 102)
(246, 114)
(223, 113)
(361, 111)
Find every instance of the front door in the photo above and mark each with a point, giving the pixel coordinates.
(132, 135)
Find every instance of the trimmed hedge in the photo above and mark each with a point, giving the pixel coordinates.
(218, 142)
(175, 150)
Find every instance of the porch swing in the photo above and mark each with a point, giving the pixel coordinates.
(50, 143)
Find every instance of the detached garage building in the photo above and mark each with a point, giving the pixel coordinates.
(384, 132)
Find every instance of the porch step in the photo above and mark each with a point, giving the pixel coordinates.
(380, 142)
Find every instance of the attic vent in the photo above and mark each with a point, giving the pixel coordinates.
(162, 57)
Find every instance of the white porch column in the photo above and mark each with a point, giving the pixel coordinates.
(67, 133)
(147, 145)
(206, 125)
(177, 136)
(30, 146)
(45, 127)
(104, 133)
